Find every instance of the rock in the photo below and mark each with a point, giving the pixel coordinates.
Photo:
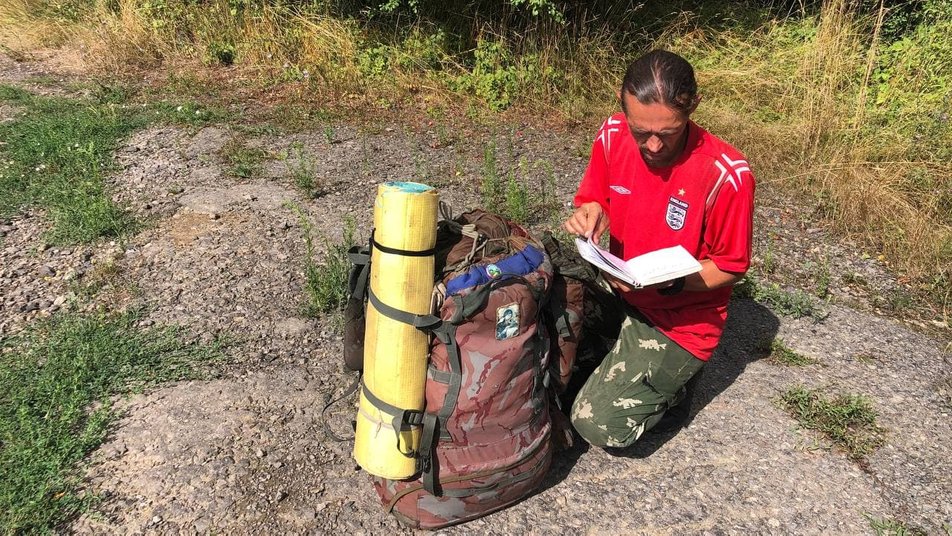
(47, 271)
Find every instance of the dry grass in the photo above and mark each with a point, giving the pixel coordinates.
(790, 96)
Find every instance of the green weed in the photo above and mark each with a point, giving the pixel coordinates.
(781, 354)
(243, 161)
(848, 420)
(59, 381)
(795, 303)
(325, 284)
(55, 156)
(892, 527)
(301, 168)
(514, 196)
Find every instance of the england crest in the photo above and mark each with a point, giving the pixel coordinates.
(677, 211)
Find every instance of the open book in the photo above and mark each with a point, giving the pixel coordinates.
(653, 267)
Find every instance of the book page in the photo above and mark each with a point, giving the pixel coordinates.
(662, 265)
(603, 260)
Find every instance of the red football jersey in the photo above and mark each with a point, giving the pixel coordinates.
(704, 201)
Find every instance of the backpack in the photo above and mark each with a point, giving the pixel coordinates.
(500, 356)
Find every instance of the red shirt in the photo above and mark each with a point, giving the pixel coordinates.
(704, 201)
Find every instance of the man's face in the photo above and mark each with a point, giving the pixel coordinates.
(658, 129)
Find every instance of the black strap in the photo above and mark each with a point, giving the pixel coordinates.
(402, 252)
(428, 462)
(359, 257)
(351, 389)
(422, 322)
(402, 420)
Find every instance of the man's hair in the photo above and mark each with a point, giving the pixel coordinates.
(661, 77)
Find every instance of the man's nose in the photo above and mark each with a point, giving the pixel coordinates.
(654, 144)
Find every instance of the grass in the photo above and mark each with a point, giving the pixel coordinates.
(848, 420)
(55, 157)
(302, 170)
(325, 283)
(794, 303)
(893, 527)
(59, 381)
(513, 193)
(243, 161)
(780, 353)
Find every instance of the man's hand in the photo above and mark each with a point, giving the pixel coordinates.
(589, 220)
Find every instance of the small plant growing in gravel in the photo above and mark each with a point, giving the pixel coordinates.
(781, 354)
(823, 279)
(491, 187)
(243, 161)
(325, 284)
(848, 420)
(893, 527)
(302, 172)
(795, 303)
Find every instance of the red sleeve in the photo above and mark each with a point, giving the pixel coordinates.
(729, 224)
(594, 185)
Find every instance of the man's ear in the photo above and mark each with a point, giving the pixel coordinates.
(694, 103)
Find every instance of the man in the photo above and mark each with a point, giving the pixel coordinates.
(656, 179)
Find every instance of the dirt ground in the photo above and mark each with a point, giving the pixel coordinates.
(247, 454)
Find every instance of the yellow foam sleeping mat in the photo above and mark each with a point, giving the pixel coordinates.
(395, 353)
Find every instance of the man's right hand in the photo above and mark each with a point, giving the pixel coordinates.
(589, 220)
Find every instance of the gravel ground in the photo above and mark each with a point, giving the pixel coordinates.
(246, 453)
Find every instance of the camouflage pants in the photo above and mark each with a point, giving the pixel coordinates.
(642, 376)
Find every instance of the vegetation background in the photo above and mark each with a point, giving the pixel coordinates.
(846, 102)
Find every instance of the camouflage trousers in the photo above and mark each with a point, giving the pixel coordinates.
(641, 377)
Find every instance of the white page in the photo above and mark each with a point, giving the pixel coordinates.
(603, 260)
(654, 267)
(662, 265)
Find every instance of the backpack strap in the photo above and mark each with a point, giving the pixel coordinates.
(402, 421)
(351, 389)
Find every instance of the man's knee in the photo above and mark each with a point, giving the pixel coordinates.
(600, 430)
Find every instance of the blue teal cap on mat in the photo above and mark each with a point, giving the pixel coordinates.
(410, 187)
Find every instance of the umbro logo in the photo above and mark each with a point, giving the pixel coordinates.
(620, 189)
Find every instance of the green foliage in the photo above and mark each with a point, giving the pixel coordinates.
(325, 284)
(848, 420)
(781, 354)
(912, 87)
(499, 77)
(892, 527)
(795, 303)
(54, 157)
(301, 168)
(222, 53)
(512, 195)
(59, 380)
(243, 161)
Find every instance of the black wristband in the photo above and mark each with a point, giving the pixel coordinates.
(676, 286)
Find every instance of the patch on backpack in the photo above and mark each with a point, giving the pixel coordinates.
(677, 211)
(493, 271)
(507, 321)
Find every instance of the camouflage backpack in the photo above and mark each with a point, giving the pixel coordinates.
(497, 360)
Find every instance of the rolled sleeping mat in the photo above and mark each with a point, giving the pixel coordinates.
(395, 353)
